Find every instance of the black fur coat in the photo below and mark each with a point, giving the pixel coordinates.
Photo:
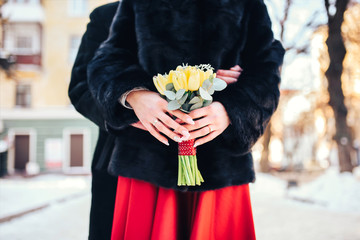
(154, 36)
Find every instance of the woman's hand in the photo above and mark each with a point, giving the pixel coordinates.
(139, 125)
(229, 76)
(152, 111)
(211, 122)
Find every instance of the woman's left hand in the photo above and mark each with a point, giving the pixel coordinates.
(229, 76)
(211, 122)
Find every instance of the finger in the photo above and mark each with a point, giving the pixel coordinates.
(228, 73)
(162, 128)
(183, 116)
(202, 122)
(236, 68)
(156, 134)
(178, 120)
(207, 138)
(198, 113)
(139, 125)
(200, 133)
(228, 80)
(170, 123)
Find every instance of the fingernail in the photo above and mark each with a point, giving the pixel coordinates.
(177, 139)
(185, 133)
(166, 143)
(190, 121)
(184, 138)
(195, 145)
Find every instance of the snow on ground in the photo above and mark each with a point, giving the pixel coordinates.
(276, 216)
(22, 194)
(61, 221)
(339, 192)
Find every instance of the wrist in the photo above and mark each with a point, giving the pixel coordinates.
(133, 96)
(123, 98)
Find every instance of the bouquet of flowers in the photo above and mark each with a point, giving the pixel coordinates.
(188, 88)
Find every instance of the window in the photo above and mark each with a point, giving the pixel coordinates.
(23, 39)
(17, 1)
(24, 1)
(24, 43)
(23, 95)
(78, 8)
(74, 46)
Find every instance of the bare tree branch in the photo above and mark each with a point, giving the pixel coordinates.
(327, 7)
(285, 18)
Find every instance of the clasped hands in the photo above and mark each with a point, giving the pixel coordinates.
(202, 124)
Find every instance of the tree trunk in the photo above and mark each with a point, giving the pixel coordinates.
(264, 161)
(337, 51)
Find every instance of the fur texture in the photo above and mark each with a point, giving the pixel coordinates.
(154, 36)
(103, 187)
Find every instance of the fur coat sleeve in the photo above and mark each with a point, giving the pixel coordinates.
(239, 34)
(252, 100)
(97, 31)
(115, 70)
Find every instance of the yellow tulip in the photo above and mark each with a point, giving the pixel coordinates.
(202, 77)
(179, 68)
(160, 83)
(187, 71)
(194, 79)
(178, 78)
(207, 74)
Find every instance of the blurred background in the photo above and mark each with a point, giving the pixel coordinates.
(307, 162)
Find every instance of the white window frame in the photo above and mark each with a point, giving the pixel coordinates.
(28, 83)
(32, 148)
(78, 8)
(31, 30)
(85, 169)
(73, 50)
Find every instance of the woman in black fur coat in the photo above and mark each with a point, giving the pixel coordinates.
(148, 37)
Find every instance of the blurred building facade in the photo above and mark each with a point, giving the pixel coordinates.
(38, 125)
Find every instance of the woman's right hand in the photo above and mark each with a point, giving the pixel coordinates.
(152, 111)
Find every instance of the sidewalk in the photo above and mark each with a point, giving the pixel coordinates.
(19, 196)
(276, 217)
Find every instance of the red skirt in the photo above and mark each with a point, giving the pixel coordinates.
(144, 211)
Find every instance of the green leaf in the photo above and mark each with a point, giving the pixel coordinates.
(211, 80)
(207, 103)
(211, 77)
(183, 99)
(206, 84)
(184, 110)
(196, 106)
(186, 106)
(169, 86)
(195, 100)
(173, 105)
(211, 90)
(219, 84)
(170, 95)
(180, 94)
(204, 94)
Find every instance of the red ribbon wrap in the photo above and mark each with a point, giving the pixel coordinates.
(186, 148)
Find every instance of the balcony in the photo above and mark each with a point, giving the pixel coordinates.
(31, 11)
